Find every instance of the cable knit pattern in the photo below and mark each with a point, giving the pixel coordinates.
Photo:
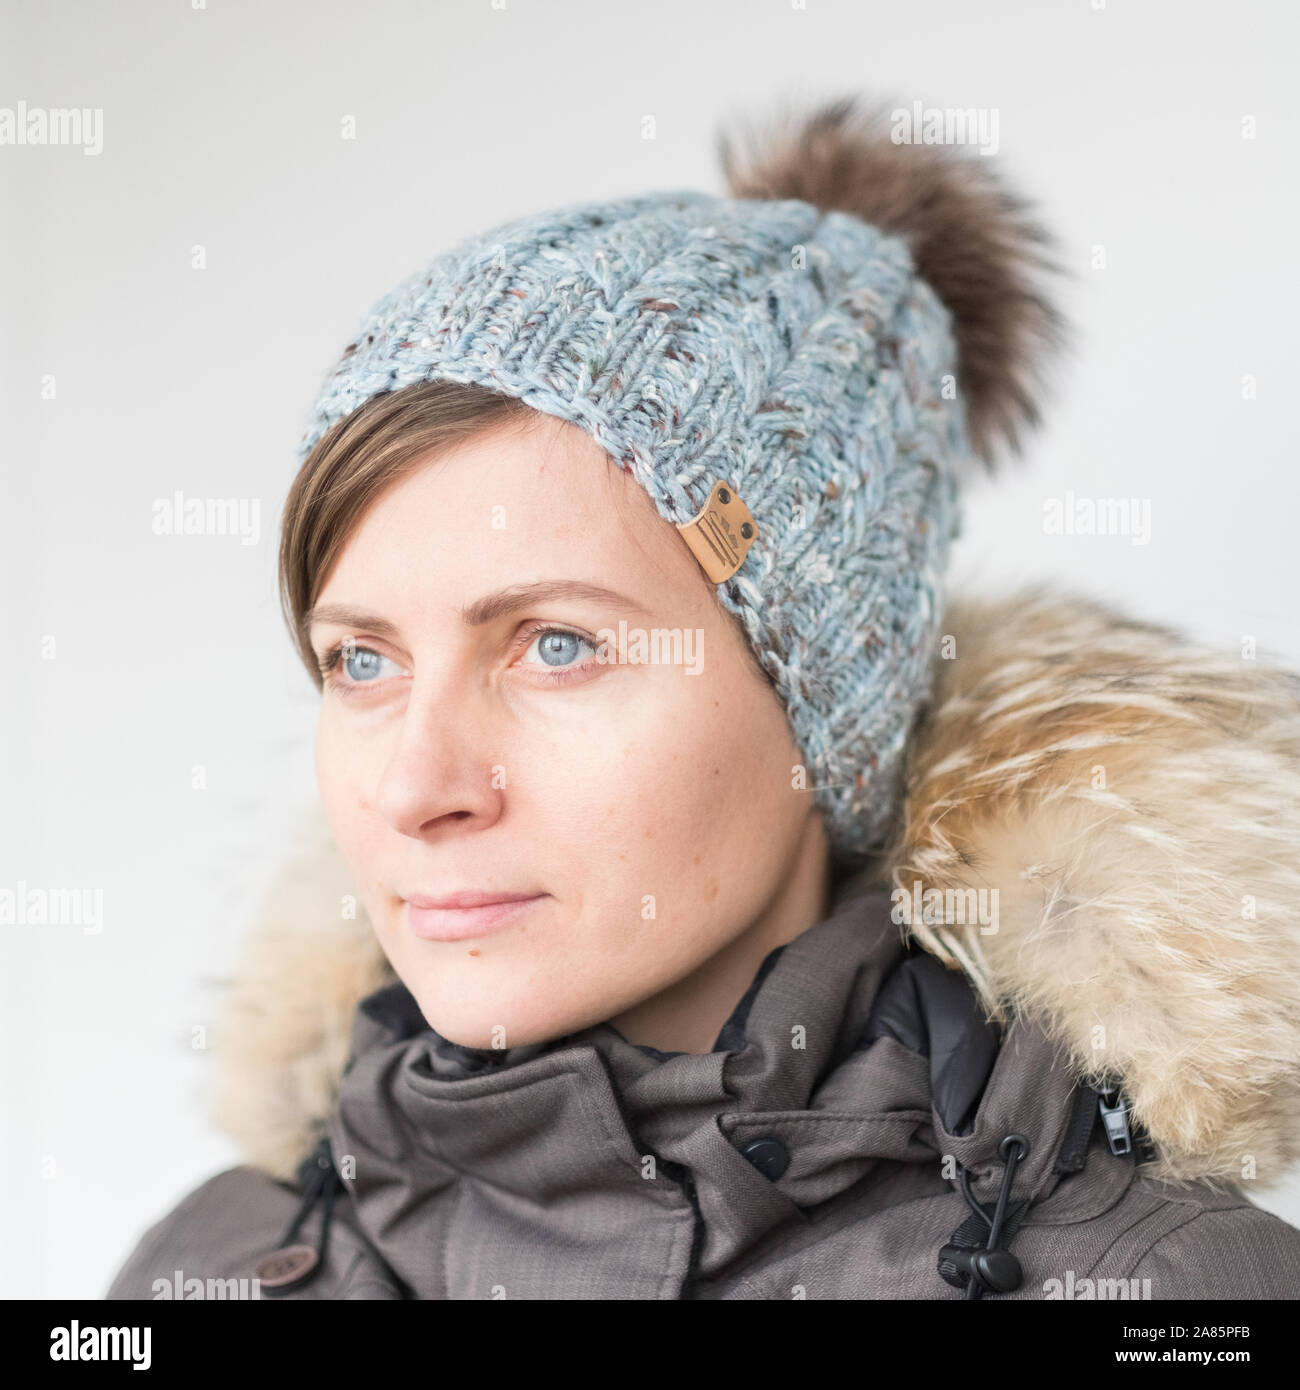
(792, 353)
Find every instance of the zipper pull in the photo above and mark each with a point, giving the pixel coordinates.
(1114, 1109)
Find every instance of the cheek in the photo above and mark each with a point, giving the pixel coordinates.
(343, 795)
(682, 791)
(331, 777)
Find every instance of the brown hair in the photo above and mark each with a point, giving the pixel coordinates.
(359, 457)
(356, 460)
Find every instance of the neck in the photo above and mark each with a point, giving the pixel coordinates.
(689, 1015)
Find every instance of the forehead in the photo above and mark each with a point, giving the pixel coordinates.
(514, 505)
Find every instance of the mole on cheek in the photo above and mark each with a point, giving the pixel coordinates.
(473, 953)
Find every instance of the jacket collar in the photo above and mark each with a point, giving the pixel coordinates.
(572, 1130)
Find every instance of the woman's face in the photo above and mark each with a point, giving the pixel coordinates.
(471, 742)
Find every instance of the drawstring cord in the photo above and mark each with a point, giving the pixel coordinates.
(989, 1265)
(291, 1266)
(319, 1180)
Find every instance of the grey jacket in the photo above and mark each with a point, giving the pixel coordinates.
(1106, 1048)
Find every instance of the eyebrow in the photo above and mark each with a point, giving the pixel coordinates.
(485, 610)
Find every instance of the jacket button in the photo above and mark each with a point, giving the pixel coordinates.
(769, 1156)
(284, 1268)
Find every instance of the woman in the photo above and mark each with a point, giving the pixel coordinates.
(737, 922)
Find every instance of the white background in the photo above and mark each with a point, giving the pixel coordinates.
(223, 129)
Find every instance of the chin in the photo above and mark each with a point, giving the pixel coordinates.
(482, 1023)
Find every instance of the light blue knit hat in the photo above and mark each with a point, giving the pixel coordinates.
(792, 355)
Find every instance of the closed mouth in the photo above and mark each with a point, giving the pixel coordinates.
(461, 916)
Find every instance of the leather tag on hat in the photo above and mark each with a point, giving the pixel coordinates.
(720, 533)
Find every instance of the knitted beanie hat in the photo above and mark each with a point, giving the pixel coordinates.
(797, 375)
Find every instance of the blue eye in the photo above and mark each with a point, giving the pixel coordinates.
(557, 647)
(362, 664)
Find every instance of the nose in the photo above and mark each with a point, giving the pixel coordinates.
(439, 778)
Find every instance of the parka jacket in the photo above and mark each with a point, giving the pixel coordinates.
(1046, 1046)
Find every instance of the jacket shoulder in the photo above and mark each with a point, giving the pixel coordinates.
(1220, 1249)
(218, 1233)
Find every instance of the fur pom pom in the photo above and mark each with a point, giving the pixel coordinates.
(973, 241)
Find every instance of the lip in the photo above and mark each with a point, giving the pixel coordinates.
(462, 916)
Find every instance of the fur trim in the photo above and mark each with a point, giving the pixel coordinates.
(972, 241)
(1136, 803)
(1134, 799)
(286, 1028)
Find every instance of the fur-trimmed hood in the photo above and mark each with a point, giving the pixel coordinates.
(1134, 801)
